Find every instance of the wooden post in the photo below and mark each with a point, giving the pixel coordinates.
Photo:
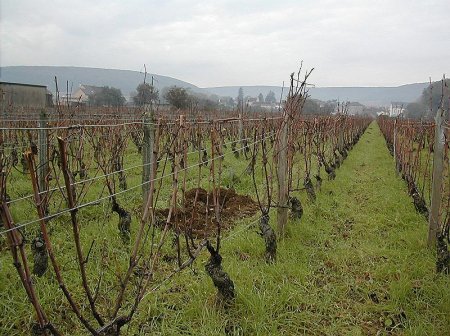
(436, 192)
(3, 105)
(4, 115)
(183, 156)
(43, 151)
(241, 131)
(215, 188)
(282, 210)
(147, 150)
(395, 145)
(341, 134)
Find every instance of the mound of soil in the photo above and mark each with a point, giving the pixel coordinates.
(198, 217)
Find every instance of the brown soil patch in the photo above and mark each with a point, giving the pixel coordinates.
(199, 219)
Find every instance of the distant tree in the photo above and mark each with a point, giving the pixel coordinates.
(227, 101)
(107, 96)
(311, 107)
(270, 98)
(371, 111)
(177, 97)
(204, 102)
(214, 97)
(207, 104)
(241, 94)
(416, 110)
(145, 94)
(434, 94)
(240, 97)
(328, 107)
(260, 98)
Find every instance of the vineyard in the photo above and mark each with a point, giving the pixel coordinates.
(418, 148)
(111, 219)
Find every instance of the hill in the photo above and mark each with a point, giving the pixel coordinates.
(372, 96)
(127, 80)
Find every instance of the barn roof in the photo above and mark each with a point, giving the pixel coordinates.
(23, 84)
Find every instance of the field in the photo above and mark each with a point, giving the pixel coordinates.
(356, 264)
(93, 256)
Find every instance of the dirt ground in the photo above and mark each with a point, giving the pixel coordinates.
(198, 216)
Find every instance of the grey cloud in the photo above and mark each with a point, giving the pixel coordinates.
(213, 43)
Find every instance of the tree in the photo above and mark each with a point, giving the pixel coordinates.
(329, 107)
(204, 102)
(270, 98)
(415, 110)
(227, 101)
(107, 96)
(177, 97)
(434, 94)
(240, 97)
(371, 111)
(311, 107)
(261, 98)
(207, 104)
(146, 93)
(240, 94)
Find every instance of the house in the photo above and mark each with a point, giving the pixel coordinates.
(25, 95)
(355, 108)
(396, 109)
(81, 95)
(251, 101)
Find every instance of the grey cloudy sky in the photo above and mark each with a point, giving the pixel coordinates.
(235, 42)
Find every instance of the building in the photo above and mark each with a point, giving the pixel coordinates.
(251, 101)
(25, 95)
(355, 108)
(349, 108)
(396, 109)
(81, 95)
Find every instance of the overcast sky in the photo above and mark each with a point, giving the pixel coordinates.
(237, 42)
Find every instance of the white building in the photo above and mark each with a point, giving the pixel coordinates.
(355, 108)
(80, 96)
(396, 109)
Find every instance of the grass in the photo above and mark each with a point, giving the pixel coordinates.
(355, 264)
